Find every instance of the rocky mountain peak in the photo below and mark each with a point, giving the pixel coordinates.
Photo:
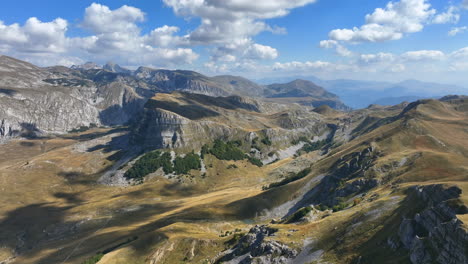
(113, 67)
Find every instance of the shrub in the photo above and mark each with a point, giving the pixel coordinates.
(266, 141)
(237, 143)
(299, 140)
(322, 207)
(255, 161)
(313, 146)
(298, 215)
(339, 207)
(226, 151)
(191, 161)
(147, 164)
(166, 162)
(204, 150)
(357, 201)
(94, 259)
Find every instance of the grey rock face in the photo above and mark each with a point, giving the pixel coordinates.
(58, 99)
(255, 248)
(436, 235)
(187, 81)
(352, 166)
(112, 67)
(166, 124)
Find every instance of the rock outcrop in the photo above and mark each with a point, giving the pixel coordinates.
(258, 247)
(182, 120)
(435, 234)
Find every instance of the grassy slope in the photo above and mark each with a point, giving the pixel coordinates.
(178, 222)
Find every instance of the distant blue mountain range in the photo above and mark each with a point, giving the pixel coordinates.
(360, 94)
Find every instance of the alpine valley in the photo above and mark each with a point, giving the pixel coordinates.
(110, 165)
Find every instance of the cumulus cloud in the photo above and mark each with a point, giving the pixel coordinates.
(114, 35)
(164, 36)
(257, 51)
(389, 23)
(457, 30)
(34, 36)
(376, 58)
(339, 49)
(243, 48)
(234, 23)
(450, 16)
(100, 19)
(422, 55)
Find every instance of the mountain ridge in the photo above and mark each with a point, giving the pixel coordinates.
(99, 96)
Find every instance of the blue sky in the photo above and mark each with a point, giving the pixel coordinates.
(377, 40)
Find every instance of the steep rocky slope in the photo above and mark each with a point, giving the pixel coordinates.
(182, 120)
(58, 99)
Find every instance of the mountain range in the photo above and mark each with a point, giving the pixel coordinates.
(107, 165)
(360, 94)
(68, 98)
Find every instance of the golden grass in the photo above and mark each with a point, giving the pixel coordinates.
(189, 215)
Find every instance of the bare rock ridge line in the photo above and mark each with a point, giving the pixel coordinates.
(59, 99)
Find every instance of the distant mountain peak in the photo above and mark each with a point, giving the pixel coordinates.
(114, 67)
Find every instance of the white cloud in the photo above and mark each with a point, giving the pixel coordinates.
(389, 23)
(115, 35)
(450, 16)
(376, 58)
(421, 55)
(457, 30)
(234, 23)
(34, 36)
(328, 44)
(339, 49)
(465, 4)
(257, 51)
(164, 37)
(460, 54)
(100, 19)
(428, 65)
(297, 66)
(458, 60)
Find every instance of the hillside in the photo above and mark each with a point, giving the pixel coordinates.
(305, 93)
(394, 177)
(187, 120)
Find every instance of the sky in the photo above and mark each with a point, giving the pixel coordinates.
(376, 40)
